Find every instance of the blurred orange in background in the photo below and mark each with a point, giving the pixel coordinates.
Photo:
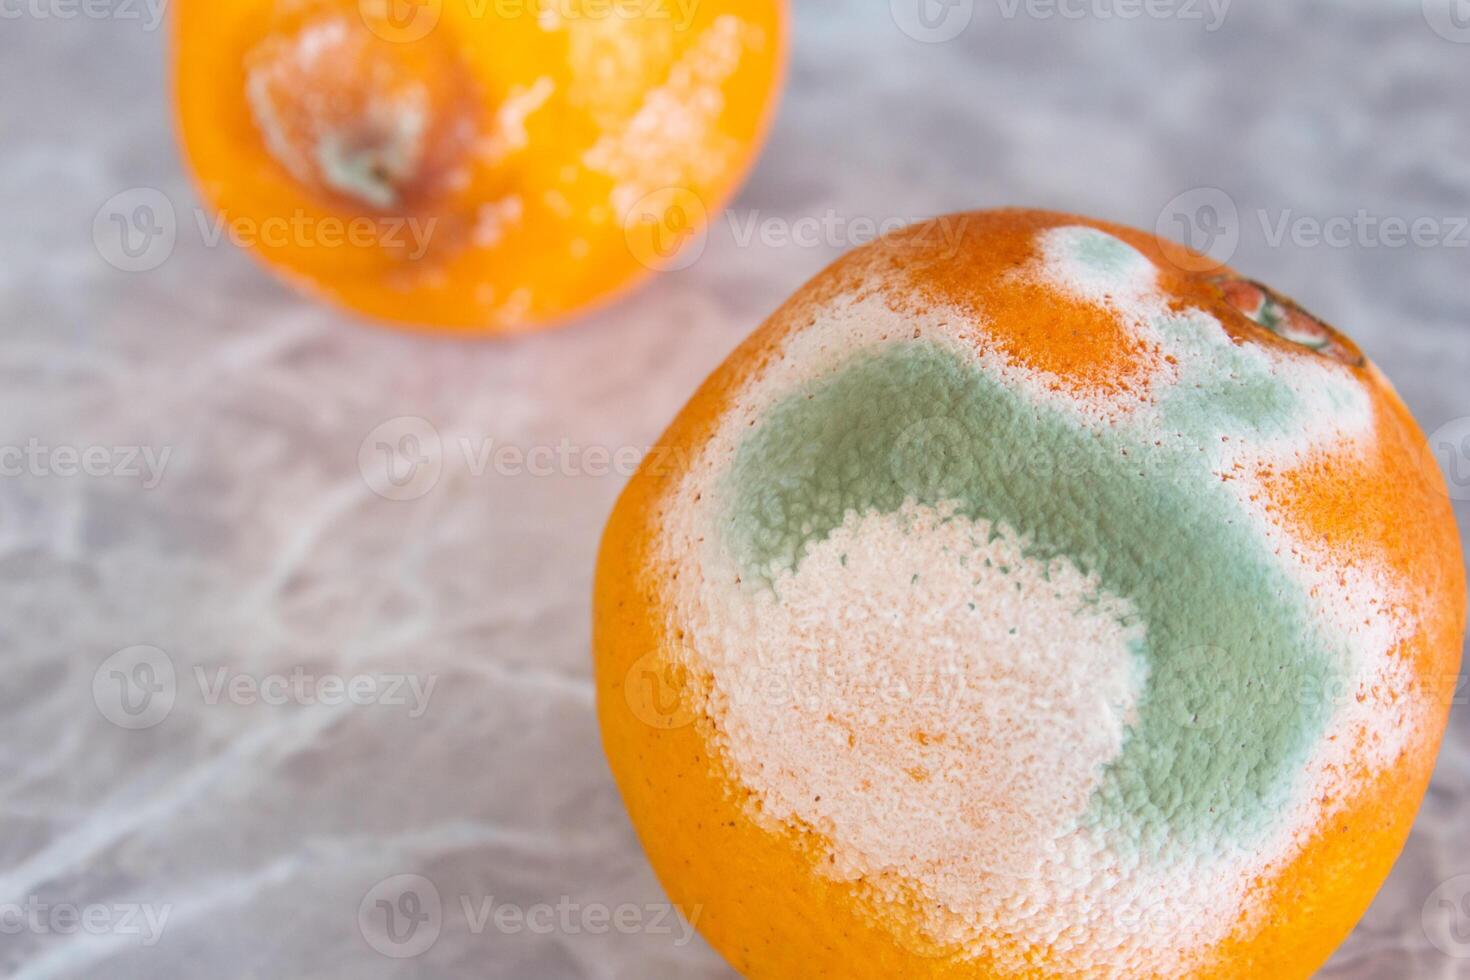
(478, 166)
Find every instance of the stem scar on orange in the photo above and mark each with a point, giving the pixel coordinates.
(1017, 602)
(482, 166)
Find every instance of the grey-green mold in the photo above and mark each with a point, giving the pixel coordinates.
(373, 169)
(1215, 744)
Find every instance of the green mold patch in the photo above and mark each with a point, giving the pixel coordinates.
(1227, 715)
(1104, 255)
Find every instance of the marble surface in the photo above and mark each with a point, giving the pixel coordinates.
(198, 507)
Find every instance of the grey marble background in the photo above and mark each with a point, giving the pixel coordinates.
(253, 545)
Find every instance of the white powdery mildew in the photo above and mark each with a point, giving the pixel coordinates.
(495, 218)
(337, 158)
(258, 84)
(673, 140)
(948, 762)
(508, 130)
(965, 695)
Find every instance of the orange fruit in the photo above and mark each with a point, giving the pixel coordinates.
(1018, 603)
(479, 166)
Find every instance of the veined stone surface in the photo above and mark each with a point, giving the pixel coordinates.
(246, 534)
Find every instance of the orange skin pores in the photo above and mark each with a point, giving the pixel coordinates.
(472, 166)
(1018, 601)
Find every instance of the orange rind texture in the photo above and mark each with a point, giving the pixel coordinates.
(1200, 426)
(472, 166)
